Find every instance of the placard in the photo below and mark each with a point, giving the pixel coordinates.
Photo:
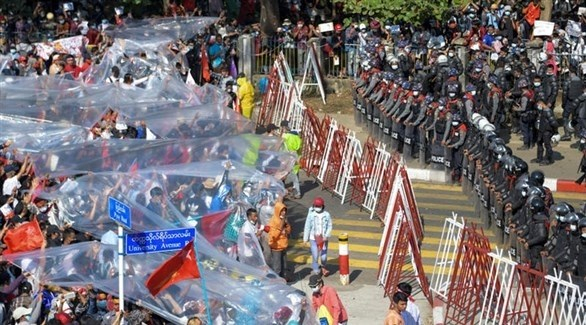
(68, 6)
(326, 27)
(574, 29)
(543, 28)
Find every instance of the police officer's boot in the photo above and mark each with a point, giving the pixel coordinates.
(567, 132)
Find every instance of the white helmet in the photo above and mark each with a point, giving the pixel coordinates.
(476, 118)
(555, 140)
(481, 122)
(542, 56)
(362, 26)
(442, 59)
(488, 127)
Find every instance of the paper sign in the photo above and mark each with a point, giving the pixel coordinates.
(119, 11)
(326, 27)
(582, 11)
(543, 28)
(573, 29)
(68, 6)
(69, 45)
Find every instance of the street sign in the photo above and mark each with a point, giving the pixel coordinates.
(119, 212)
(158, 240)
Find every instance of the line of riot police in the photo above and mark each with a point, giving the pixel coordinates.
(430, 117)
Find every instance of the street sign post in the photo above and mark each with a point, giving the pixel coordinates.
(158, 241)
(122, 214)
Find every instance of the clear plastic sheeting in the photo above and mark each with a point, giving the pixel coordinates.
(236, 293)
(189, 192)
(33, 135)
(120, 155)
(157, 31)
(193, 122)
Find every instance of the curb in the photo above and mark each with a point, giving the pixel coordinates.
(438, 311)
(554, 184)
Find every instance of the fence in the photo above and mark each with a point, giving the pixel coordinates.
(483, 287)
(339, 63)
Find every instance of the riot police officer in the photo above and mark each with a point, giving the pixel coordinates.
(546, 126)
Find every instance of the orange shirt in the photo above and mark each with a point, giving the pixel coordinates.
(532, 13)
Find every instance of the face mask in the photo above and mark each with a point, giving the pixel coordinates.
(473, 92)
(507, 13)
(549, 73)
(12, 51)
(451, 54)
(315, 290)
(43, 209)
(455, 123)
(537, 84)
(299, 26)
(452, 95)
(30, 21)
(415, 93)
(478, 69)
(441, 108)
(499, 38)
(582, 140)
(489, 85)
(471, 16)
(573, 227)
(363, 30)
(539, 107)
(102, 304)
(319, 210)
(394, 67)
(507, 69)
(252, 222)
(583, 235)
(61, 21)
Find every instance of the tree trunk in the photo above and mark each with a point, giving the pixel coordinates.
(269, 16)
(547, 6)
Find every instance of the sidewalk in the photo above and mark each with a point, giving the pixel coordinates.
(560, 176)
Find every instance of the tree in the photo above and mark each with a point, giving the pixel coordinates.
(414, 11)
(269, 16)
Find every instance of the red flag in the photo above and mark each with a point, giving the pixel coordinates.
(181, 266)
(133, 167)
(213, 225)
(24, 238)
(205, 65)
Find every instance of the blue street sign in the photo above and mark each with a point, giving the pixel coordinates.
(158, 240)
(119, 212)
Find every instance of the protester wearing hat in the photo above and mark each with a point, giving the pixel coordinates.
(327, 296)
(22, 315)
(316, 233)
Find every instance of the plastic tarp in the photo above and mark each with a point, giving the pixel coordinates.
(153, 32)
(119, 155)
(33, 135)
(83, 202)
(236, 293)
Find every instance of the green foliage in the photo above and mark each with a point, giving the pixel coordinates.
(414, 11)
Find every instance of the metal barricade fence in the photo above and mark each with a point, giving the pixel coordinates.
(381, 162)
(469, 278)
(348, 170)
(446, 255)
(333, 127)
(365, 166)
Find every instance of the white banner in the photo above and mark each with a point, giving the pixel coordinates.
(543, 28)
(325, 27)
(70, 45)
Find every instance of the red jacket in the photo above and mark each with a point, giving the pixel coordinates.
(329, 297)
